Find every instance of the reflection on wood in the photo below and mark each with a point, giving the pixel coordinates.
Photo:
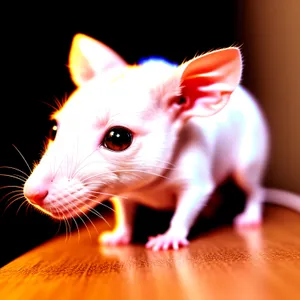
(221, 264)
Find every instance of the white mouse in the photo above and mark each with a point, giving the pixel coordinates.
(156, 134)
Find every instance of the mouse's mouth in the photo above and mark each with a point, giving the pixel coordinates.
(62, 208)
(74, 209)
(71, 199)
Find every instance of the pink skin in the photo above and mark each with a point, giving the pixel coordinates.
(192, 126)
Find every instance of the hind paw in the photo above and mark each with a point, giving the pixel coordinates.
(247, 220)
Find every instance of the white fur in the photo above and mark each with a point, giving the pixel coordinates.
(170, 164)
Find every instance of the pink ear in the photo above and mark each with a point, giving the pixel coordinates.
(207, 82)
(88, 57)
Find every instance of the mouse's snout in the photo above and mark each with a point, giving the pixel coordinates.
(35, 194)
(61, 197)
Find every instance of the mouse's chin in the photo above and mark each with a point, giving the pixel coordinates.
(74, 209)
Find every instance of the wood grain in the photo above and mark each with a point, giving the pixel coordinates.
(222, 264)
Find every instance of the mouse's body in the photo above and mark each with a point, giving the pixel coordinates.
(156, 134)
(198, 139)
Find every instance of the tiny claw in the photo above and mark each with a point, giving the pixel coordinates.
(166, 241)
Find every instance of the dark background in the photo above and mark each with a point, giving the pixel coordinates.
(35, 42)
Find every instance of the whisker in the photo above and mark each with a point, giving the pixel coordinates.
(74, 163)
(63, 101)
(53, 107)
(59, 166)
(80, 168)
(100, 203)
(11, 192)
(78, 231)
(165, 162)
(81, 221)
(68, 227)
(91, 209)
(77, 227)
(58, 212)
(169, 166)
(17, 194)
(11, 186)
(58, 103)
(108, 194)
(27, 208)
(21, 177)
(84, 222)
(23, 158)
(13, 199)
(107, 207)
(21, 206)
(69, 164)
(15, 169)
(127, 171)
(95, 182)
(99, 215)
(14, 177)
(53, 167)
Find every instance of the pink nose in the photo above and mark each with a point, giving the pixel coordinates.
(36, 195)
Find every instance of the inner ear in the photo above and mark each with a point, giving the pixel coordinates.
(206, 83)
(89, 57)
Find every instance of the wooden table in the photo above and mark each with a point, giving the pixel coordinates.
(221, 264)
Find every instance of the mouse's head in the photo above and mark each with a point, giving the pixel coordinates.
(117, 131)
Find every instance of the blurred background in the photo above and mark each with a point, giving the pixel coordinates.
(35, 46)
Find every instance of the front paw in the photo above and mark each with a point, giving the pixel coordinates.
(115, 237)
(168, 240)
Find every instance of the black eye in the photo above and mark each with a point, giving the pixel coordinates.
(181, 100)
(53, 131)
(117, 139)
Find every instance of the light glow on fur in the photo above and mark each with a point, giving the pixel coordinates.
(170, 161)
